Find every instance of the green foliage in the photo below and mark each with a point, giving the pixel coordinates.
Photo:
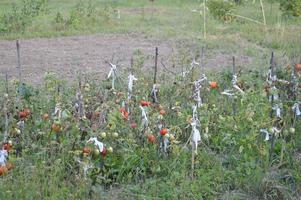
(291, 7)
(221, 9)
(22, 15)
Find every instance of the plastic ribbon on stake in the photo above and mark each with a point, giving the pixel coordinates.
(232, 92)
(154, 93)
(192, 64)
(267, 134)
(144, 118)
(197, 90)
(195, 134)
(277, 109)
(99, 145)
(57, 110)
(296, 109)
(3, 157)
(131, 78)
(112, 74)
(79, 105)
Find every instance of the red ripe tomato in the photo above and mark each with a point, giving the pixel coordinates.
(104, 152)
(162, 112)
(151, 138)
(133, 125)
(145, 103)
(22, 115)
(163, 131)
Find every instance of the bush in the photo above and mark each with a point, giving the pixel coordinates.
(221, 9)
(22, 16)
(291, 7)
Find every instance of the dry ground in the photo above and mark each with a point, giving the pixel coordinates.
(67, 55)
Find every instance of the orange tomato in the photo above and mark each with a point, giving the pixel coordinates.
(9, 166)
(56, 128)
(3, 170)
(45, 116)
(213, 85)
(27, 111)
(7, 147)
(298, 67)
(163, 131)
(87, 150)
(151, 138)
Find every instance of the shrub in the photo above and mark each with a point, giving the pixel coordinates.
(22, 16)
(291, 7)
(221, 9)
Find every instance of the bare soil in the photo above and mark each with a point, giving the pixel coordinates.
(67, 55)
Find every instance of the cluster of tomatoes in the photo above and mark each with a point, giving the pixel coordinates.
(8, 166)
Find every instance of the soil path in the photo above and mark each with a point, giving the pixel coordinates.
(68, 55)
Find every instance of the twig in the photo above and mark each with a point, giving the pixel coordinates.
(163, 65)
(234, 73)
(19, 60)
(246, 18)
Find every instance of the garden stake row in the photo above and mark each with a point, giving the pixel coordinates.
(296, 106)
(274, 100)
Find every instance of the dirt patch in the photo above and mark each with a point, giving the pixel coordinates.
(141, 10)
(67, 55)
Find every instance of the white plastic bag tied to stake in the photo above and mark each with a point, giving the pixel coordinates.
(3, 157)
(267, 134)
(99, 145)
(197, 90)
(112, 74)
(195, 135)
(231, 92)
(144, 117)
(154, 92)
(58, 110)
(192, 66)
(131, 78)
(277, 109)
(79, 105)
(296, 109)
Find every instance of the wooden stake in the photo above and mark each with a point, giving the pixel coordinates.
(19, 61)
(234, 73)
(204, 12)
(272, 68)
(192, 162)
(5, 109)
(156, 65)
(203, 60)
